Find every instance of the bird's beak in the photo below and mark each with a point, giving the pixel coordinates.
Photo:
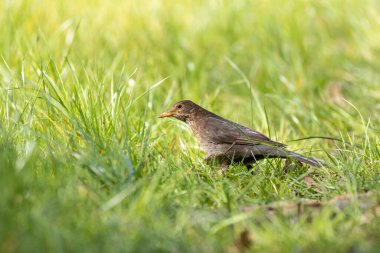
(166, 114)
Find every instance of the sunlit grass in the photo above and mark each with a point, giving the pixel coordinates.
(86, 165)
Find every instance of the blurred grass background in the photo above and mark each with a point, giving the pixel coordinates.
(85, 165)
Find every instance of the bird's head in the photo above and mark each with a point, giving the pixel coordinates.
(181, 110)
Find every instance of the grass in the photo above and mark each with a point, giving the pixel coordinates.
(86, 165)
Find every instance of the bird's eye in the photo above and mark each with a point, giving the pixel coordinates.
(179, 106)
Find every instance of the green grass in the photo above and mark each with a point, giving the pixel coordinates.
(86, 165)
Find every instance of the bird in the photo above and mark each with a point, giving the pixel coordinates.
(229, 142)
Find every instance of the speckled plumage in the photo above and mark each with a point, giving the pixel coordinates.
(228, 141)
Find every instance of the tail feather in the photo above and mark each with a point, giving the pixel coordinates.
(256, 152)
(303, 159)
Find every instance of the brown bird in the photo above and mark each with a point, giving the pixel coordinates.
(228, 141)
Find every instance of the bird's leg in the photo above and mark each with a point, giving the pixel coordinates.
(213, 157)
(208, 158)
(218, 160)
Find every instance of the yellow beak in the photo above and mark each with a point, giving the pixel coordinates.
(166, 114)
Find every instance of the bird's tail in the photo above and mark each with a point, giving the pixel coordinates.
(303, 159)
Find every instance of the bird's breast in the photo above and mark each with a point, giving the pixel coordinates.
(202, 135)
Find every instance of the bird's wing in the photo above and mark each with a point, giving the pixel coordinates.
(227, 132)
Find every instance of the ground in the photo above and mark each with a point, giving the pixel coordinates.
(87, 166)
